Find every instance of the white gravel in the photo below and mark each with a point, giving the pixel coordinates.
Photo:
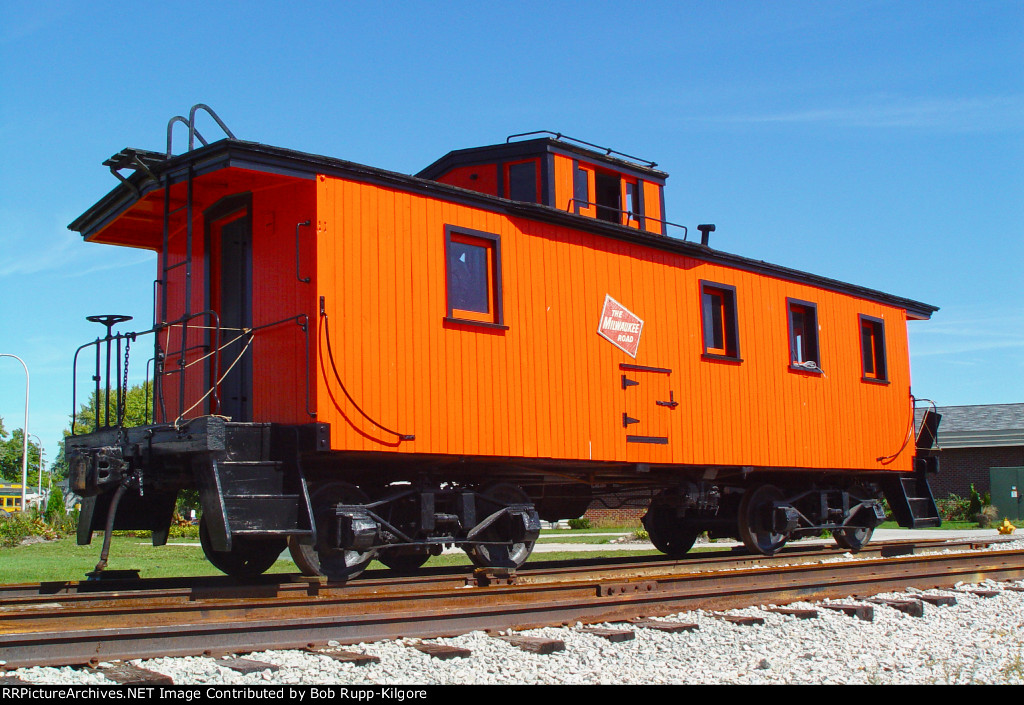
(978, 640)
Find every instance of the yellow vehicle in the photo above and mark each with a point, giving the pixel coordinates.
(10, 497)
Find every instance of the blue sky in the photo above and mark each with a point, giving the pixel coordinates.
(878, 143)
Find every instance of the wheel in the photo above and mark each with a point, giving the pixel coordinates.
(852, 539)
(323, 559)
(666, 532)
(509, 555)
(304, 556)
(248, 556)
(755, 520)
(403, 560)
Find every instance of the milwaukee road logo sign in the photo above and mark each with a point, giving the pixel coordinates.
(620, 326)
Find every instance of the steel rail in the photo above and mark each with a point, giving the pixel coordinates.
(216, 622)
(157, 590)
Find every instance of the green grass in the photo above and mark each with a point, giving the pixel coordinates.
(583, 538)
(950, 525)
(64, 560)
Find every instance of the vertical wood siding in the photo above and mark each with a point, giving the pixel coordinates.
(279, 379)
(549, 386)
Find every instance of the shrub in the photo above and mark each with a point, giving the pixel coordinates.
(988, 516)
(17, 527)
(184, 531)
(14, 529)
(887, 509)
(975, 506)
(955, 508)
(580, 523)
(55, 508)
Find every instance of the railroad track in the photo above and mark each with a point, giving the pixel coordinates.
(85, 623)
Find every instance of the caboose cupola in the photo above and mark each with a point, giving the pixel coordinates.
(564, 173)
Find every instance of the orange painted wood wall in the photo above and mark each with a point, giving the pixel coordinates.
(549, 386)
(279, 379)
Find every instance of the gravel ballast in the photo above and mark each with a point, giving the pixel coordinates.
(977, 640)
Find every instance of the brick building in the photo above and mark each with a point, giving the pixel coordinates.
(973, 439)
(620, 509)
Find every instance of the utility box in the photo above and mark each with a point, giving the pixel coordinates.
(1007, 488)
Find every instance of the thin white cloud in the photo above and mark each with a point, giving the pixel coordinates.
(958, 114)
(56, 250)
(969, 332)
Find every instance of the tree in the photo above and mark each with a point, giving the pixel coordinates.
(11, 449)
(138, 412)
(138, 409)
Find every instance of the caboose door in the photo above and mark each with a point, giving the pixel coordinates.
(229, 277)
(649, 402)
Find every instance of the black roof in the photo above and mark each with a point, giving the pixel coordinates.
(633, 166)
(233, 153)
(981, 425)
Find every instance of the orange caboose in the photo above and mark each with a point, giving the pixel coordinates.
(360, 363)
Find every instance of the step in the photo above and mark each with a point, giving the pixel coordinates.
(271, 513)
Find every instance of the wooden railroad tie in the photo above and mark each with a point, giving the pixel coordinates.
(534, 644)
(12, 680)
(938, 600)
(668, 627)
(797, 612)
(127, 674)
(342, 656)
(741, 620)
(443, 652)
(613, 635)
(981, 593)
(865, 612)
(247, 665)
(915, 608)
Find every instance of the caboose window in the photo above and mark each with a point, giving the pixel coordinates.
(608, 197)
(803, 335)
(581, 188)
(719, 320)
(474, 276)
(632, 203)
(872, 349)
(522, 181)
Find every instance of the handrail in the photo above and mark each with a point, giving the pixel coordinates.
(304, 224)
(170, 126)
(565, 138)
(191, 124)
(635, 216)
(103, 419)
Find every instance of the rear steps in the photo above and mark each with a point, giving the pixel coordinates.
(256, 500)
(253, 488)
(912, 502)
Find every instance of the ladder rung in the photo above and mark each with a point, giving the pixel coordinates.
(179, 264)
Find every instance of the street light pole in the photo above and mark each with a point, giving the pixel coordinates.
(24, 434)
(39, 489)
